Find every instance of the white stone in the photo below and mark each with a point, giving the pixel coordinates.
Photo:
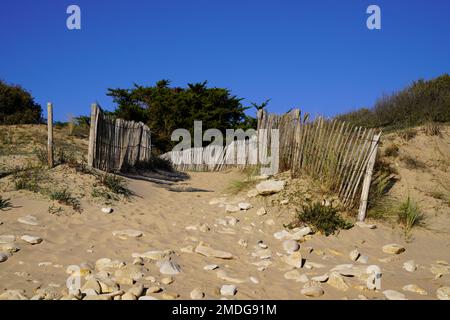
(410, 266)
(322, 278)
(415, 288)
(294, 259)
(365, 225)
(261, 211)
(263, 254)
(128, 233)
(147, 298)
(394, 295)
(280, 235)
(31, 239)
(107, 210)
(207, 251)
(443, 293)
(290, 246)
(354, 255)
(299, 234)
(363, 259)
(245, 206)
(243, 243)
(393, 248)
(29, 220)
(210, 267)
(228, 290)
(296, 276)
(169, 267)
(5, 239)
(314, 291)
(231, 208)
(252, 193)
(270, 187)
(197, 294)
(284, 202)
(254, 280)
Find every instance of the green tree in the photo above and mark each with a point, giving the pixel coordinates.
(164, 109)
(17, 106)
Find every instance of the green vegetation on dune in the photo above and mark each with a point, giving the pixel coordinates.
(420, 103)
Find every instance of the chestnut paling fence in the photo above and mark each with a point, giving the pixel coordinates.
(115, 144)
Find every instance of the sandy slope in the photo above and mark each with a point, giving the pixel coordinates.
(163, 216)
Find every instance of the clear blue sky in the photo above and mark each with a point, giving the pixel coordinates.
(316, 55)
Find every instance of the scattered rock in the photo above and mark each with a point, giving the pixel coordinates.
(91, 287)
(187, 249)
(295, 275)
(365, 225)
(107, 285)
(414, 288)
(31, 239)
(245, 206)
(323, 278)
(169, 267)
(207, 251)
(137, 290)
(243, 243)
(210, 267)
(221, 274)
(4, 239)
(108, 264)
(147, 298)
(270, 222)
(128, 296)
(204, 227)
(394, 295)
(313, 292)
(167, 281)
(410, 266)
(337, 281)
(280, 235)
(170, 295)
(13, 295)
(3, 257)
(363, 259)
(262, 254)
(128, 275)
(29, 220)
(262, 245)
(231, 208)
(9, 248)
(439, 270)
(300, 234)
(252, 193)
(153, 289)
(197, 294)
(270, 187)
(128, 233)
(393, 248)
(354, 255)
(254, 280)
(107, 210)
(290, 246)
(228, 290)
(150, 255)
(294, 259)
(261, 211)
(284, 202)
(138, 261)
(443, 293)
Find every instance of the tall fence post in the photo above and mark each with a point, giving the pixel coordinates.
(92, 135)
(50, 134)
(368, 178)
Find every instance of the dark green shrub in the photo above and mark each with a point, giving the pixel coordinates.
(326, 219)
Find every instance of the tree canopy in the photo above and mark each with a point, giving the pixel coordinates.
(164, 109)
(17, 106)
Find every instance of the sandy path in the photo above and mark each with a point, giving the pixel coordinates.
(163, 216)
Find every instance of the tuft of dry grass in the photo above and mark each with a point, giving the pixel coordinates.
(412, 163)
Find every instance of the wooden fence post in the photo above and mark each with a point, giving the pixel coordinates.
(368, 178)
(50, 134)
(92, 135)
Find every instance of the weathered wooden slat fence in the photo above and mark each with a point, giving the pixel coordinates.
(335, 153)
(115, 144)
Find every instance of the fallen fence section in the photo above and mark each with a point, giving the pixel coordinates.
(117, 145)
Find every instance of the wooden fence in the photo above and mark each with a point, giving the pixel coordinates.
(115, 144)
(333, 152)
